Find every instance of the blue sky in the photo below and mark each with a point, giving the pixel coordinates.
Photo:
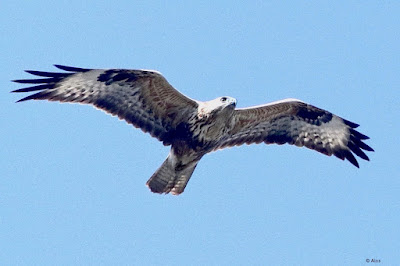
(72, 186)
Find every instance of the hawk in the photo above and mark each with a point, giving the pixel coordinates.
(192, 128)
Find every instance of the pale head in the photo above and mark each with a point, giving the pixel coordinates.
(220, 105)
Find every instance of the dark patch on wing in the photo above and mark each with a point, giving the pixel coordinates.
(285, 129)
(115, 75)
(354, 143)
(278, 137)
(121, 92)
(314, 115)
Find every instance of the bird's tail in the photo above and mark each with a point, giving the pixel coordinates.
(169, 179)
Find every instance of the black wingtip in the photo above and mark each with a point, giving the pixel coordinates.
(346, 154)
(357, 150)
(24, 99)
(350, 124)
(36, 81)
(369, 148)
(35, 88)
(71, 69)
(350, 157)
(356, 144)
(45, 74)
(47, 81)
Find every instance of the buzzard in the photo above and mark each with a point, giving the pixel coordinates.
(193, 128)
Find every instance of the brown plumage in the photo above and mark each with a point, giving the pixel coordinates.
(192, 128)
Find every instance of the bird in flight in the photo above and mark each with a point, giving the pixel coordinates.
(192, 128)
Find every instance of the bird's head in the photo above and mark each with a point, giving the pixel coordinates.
(223, 104)
(219, 106)
(226, 101)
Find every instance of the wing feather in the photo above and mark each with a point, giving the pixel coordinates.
(143, 98)
(294, 122)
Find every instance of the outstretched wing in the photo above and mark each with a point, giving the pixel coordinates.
(143, 98)
(294, 122)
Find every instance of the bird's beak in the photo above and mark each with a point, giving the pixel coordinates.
(232, 102)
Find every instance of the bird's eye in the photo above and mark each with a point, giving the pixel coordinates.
(223, 99)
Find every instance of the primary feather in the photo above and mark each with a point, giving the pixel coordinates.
(146, 100)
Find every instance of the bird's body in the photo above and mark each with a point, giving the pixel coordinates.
(192, 128)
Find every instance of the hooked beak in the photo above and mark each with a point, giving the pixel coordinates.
(232, 102)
